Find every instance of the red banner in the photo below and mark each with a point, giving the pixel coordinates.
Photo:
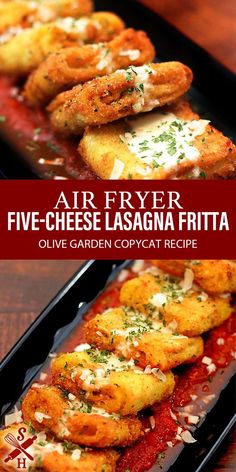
(117, 220)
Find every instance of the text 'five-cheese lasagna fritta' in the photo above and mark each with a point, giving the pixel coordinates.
(137, 377)
(85, 99)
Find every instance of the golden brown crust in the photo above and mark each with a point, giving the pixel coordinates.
(159, 348)
(90, 461)
(125, 392)
(80, 427)
(213, 276)
(71, 66)
(94, 461)
(194, 315)
(117, 95)
(37, 43)
(101, 146)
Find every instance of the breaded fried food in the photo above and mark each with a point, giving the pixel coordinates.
(101, 26)
(48, 408)
(34, 45)
(91, 461)
(108, 382)
(38, 42)
(213, 276)
(12, 15)
(24, 13)
(193, 312)
(167, 144)
(176, 268)
(148, 341)
(123, 93)
(76, 65)
(52, 456)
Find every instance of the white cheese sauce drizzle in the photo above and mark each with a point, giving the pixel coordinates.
(163, 140)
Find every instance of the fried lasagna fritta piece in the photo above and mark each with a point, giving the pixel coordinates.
(166, 144)
(53, 456)
(17, 13)
(193, 311)
(38, 42)
(74, 65)
(123, 93)
(148, 341)
(108, 382)
(213, 276)
(50, 409)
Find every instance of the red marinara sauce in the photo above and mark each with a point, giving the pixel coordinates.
(142, 456)
(220, 347)
(30, 132)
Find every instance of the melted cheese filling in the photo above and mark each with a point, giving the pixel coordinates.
(144, 87)
(163, 140)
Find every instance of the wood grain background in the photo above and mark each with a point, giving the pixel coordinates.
(210, 23)
(25, 289)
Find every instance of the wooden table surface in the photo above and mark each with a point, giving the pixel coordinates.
(210, 23)
(25, 289)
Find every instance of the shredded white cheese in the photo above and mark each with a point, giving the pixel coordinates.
(137, 266)
(193, 419)
(123, 275)
(211, 368)
(152, 422)
(117, 169)
(43, 376)
(193, 397)
(82, 347)
(187, 437)
(41, 416)
(76, 455)
(133, 54)
(159, 299)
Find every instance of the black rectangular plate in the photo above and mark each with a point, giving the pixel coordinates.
(56, 322)
(211, 94)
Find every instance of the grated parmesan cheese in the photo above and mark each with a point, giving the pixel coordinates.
(117, 170)
(41, 416)
(133, 54)
(187, 437)
(15, 417)
(187, 282)
(82, 347)
(206, 360)
(152, 422)
(137, 266)
(123, 275)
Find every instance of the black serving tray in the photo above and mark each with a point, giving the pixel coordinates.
(211, 94)
(24, 362)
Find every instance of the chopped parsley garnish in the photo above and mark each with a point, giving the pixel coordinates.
(68, 446)
(53, 147)
(99, 356)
